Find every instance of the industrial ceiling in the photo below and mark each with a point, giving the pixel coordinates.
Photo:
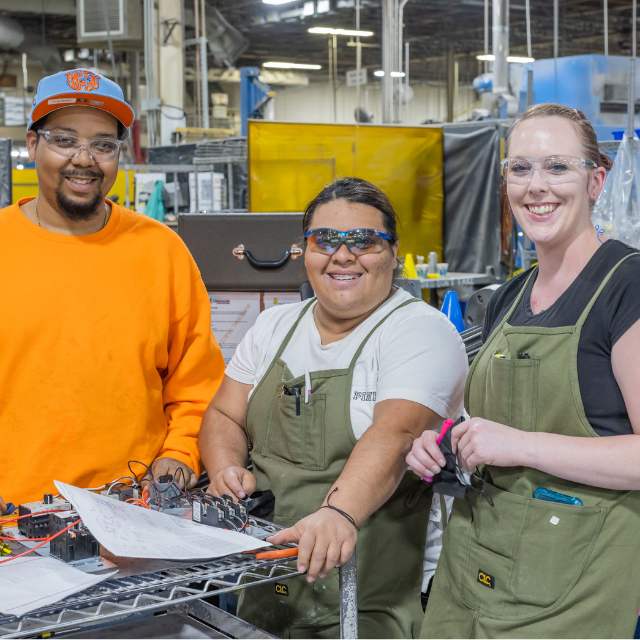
(432, 27)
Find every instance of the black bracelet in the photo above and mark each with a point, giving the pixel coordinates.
(344, 514)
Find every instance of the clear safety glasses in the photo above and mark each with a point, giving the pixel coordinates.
(68, 145)
(554, 169)
(358, 241)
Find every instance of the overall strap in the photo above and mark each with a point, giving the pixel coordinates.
(366, 339)
(603, 284)
(287, 338)
(519, 297)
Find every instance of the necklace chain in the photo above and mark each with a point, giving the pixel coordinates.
(102, 226)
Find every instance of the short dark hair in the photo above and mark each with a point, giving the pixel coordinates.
(354, 190)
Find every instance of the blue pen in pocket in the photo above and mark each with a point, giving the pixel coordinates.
(542, 493)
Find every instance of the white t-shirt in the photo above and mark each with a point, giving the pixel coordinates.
(416, 354)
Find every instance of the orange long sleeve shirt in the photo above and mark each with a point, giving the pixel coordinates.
(106, 352)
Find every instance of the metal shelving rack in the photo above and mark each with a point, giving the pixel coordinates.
(170, 587)
(119, 598)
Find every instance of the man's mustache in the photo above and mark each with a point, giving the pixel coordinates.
(84, 174)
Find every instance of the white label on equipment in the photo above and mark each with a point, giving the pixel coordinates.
(554, 520)
(196, 511)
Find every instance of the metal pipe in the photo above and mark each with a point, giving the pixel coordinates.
(25, 84)
(527, 8)
(407, 65)
(331, 46)
(204, 83)
(500, 46)
(450, 84)
(149, 73)
(631, 103)
(358, 54)
(348, 581)
(555, 28)
(196, 24)
(605, 11)
(230, 186)
(486, 33)
(555, 47)
(389, 31)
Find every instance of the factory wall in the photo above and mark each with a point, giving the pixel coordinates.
(313, 103)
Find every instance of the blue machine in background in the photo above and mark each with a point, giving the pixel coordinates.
(595, 84)
(254, 95)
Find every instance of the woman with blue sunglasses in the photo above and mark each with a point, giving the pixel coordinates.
(325, 398)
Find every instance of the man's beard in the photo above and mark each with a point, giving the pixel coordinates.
(78, 211)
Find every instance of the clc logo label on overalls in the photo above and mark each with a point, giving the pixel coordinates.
(82, 80)
(486, 579)
(281, 589)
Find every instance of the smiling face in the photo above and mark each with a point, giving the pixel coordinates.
(74, 186)
(552, 214)
(348, 286)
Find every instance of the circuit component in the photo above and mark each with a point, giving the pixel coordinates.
(164, 493)
(208, 510)
(38, 526)
(75, 544)
(122, 492)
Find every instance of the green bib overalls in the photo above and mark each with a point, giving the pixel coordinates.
(526, 567)
(298, 450)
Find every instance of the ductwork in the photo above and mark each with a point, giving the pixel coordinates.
(13, 38)
(11, 33)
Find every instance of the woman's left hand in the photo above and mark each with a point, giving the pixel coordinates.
(479, 441)
(325, 540)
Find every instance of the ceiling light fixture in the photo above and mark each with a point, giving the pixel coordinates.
(394, 74)
(489, 57)
(329, 31)
(290, 65)
(276, 1)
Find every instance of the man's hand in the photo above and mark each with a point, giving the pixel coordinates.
(425, 458)
(183, 475)
(479, 441)
(3, 507)
(325, 540)
(234, 481)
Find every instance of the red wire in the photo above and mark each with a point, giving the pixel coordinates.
(30, 515)
(41, 544)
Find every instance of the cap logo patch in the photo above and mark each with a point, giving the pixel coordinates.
(81, 80)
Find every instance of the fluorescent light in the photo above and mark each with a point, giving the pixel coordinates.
(520, 59)
(489, 57)
(276, 1)
(290, 65)
(394, 74)
(329, 31)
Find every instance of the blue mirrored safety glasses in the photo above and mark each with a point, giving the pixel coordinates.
(358, 241)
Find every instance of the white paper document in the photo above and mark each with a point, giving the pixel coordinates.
(232, 315)
(134, 532)
(33, 581)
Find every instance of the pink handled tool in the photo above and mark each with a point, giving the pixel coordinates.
(444, 428)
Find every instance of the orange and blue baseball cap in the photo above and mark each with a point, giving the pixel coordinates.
(80, 88)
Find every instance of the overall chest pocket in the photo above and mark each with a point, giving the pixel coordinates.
(296, 430)
(510, 392)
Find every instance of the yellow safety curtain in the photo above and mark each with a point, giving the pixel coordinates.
(289, 163)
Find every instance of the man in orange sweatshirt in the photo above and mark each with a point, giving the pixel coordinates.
(106, 350)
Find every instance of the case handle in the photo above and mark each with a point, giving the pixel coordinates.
(241, 251)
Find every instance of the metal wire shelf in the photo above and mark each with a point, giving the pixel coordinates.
(121, 597)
